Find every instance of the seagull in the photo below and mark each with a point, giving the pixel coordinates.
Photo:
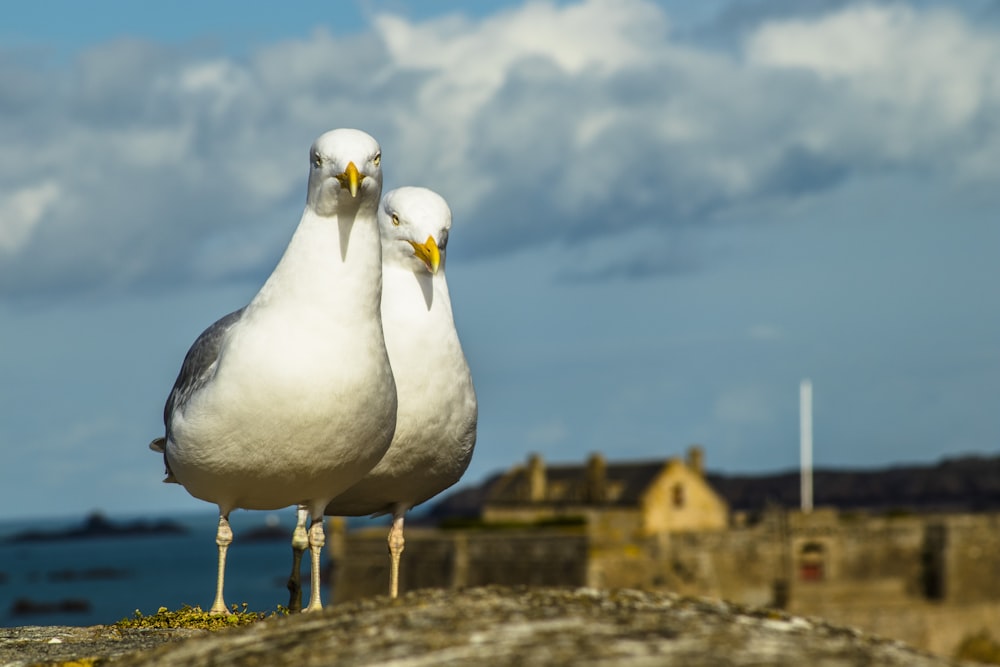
(437, 409)
(290, 400)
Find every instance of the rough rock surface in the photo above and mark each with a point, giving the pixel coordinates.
(34, 644)
(495, 626)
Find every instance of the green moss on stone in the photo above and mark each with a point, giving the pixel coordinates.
(194, 618)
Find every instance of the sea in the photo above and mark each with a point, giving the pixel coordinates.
(101, 580)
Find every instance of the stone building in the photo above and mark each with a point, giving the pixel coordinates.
(650, 497)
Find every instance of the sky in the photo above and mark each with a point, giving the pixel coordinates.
(666, 215)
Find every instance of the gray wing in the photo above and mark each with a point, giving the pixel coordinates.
(199, 364)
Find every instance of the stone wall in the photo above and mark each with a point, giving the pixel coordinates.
(927, 580)
(742, 565)
(972, 557)
(460, 559)
(938, 628)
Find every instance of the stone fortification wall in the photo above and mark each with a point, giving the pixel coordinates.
(460, 559)
(928, 580)
(971, 556)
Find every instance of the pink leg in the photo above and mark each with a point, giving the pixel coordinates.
(316, 541)
(223, 538)
(396, 543)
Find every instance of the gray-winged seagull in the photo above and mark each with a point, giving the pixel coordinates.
(291, 400)
(437, 413)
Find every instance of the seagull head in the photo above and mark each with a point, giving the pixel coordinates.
(414, 224)
(344, 169)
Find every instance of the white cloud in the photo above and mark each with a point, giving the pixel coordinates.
(21, 211)
(916, 79)
(138, 164)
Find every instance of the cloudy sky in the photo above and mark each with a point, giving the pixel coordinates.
(665, 218)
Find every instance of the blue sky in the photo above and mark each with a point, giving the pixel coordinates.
(665, 217)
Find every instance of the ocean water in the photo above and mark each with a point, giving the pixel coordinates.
(115, 576)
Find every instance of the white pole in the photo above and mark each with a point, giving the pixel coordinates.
(806, 443)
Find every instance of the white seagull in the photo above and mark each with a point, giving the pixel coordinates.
(437, 413)
(291, 400)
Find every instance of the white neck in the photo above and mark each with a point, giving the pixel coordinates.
(330, 262)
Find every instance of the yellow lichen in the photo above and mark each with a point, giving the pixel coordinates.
(195, 618)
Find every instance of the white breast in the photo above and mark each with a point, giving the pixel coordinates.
(303, 399)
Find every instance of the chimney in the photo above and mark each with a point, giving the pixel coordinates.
(536, 478)
(696, 459)
(596, 484)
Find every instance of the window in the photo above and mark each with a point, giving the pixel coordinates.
(811, 562)
(678, 495)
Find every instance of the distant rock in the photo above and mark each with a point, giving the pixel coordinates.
(98, 526)
(962, 484)
(504, 626)
(27, 607)
(89, 574)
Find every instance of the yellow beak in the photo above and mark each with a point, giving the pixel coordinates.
(428, 253)
(351, 179)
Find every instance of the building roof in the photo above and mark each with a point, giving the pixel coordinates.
(625, 483)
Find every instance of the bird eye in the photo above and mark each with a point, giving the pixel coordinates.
(444, 239)
(395, 220)
(377, 159)
(317, 160)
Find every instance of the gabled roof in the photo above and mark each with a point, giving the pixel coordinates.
(568, 484)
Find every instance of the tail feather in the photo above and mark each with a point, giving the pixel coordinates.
(160, 445)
